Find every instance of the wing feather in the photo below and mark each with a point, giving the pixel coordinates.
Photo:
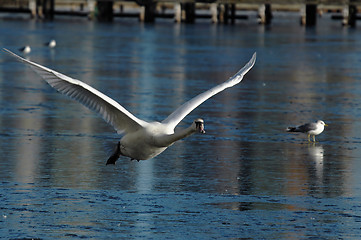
(307, 127)
(111, 111)
(181, 112)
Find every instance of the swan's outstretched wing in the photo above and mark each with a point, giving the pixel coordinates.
(180, 113)
(111, 111)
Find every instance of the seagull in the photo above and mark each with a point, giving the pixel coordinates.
(26, 49)
(311, 129)
(141, 140)
(51, 43)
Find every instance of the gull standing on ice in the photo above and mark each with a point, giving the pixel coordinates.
(141, 140)
(26, 49)
(51, 43)
(311, 129)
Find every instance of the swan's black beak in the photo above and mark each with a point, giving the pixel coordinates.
(200, 126)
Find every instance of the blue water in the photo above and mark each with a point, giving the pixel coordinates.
(246, 178)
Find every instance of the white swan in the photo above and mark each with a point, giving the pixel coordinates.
(141, 140)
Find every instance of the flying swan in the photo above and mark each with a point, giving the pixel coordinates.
(141, 140)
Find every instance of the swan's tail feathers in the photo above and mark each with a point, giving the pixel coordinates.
(291, 129)
(114, 157)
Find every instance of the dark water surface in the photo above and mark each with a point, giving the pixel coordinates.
(245, 178)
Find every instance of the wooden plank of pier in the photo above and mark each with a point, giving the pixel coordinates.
(183, 10)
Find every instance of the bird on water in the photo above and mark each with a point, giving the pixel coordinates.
(26, 49)
(51, 43)
(140, 140)
(311, 129)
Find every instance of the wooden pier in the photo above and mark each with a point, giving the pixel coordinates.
(218, 11)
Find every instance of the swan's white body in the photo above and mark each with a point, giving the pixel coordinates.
(141, 140)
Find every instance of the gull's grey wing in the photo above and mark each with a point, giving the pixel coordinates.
(111, 111)
(306, 127)
(180, 113)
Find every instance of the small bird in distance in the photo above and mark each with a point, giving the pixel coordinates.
(51, 43)
(26, 49)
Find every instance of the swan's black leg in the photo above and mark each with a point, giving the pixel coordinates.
(114, 157)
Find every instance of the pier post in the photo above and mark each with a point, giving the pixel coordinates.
(349, 13)
(233, 13)
(221, 10)
(303, 15)
(190, 12)
(214, 12)
(105, 11)
(226, 13)
(265, 14)
(91, 7)
(32, 7)
(142, 14)
(48, 9)
(149, 11)
(309, 14)
(177, 12)
(39, 9)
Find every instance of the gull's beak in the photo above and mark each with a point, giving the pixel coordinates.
(326, 125)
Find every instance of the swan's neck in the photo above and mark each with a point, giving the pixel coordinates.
(167, 140)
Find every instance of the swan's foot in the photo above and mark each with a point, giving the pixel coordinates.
(114, 157)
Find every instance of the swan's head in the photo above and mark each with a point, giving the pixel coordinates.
(199, 125)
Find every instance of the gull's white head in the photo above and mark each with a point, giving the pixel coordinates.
(320, 122)
(199, 125)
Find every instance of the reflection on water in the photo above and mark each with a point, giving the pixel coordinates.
(53, 150)
(316, 153)
(248, 206)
